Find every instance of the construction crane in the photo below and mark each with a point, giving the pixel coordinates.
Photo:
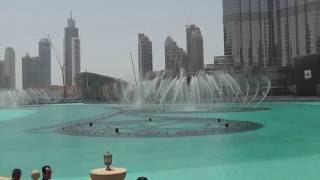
(61, 66)
(134, 71)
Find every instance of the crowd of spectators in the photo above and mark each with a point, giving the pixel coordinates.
(35, 174)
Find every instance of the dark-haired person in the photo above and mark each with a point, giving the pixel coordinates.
(46, 172)
(142, 178)
(16, 174)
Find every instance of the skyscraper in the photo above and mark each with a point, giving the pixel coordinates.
(71, 52)
(45, 62)
(175, 57)
(144, 55)
(10, 68)
(36, 71)
(270, 33)
(2, 77)
(194, 49)
(29, 72)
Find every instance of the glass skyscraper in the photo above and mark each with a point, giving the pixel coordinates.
(144, 55)
(36, 71)
(270, 33)
(10, 68)
(175, 57)
(194, 49)
(71, 52)
(45, 62)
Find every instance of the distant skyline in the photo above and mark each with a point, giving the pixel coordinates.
(108, 29)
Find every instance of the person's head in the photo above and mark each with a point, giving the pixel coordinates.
(35, 174)
(16, 174)
(46, 172)
(142, 178)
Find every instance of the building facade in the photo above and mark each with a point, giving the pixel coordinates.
(72, 58)
(194, 49)
(36, 71)
(45, 62)
(307, 75)
(97, 87)
(223, 63)
(144, 55)
(10, 68)
(270, 33)
(2, 77)
(29, 73)
(175, 57)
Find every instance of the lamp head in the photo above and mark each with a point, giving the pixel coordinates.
(107, 160)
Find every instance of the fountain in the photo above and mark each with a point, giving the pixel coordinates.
(171, 128)
(161, 107)
(218, 89)
(12, 98)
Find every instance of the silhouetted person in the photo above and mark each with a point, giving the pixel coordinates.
(150, 119)
(142, 178)
(46, 172)
(16, 174)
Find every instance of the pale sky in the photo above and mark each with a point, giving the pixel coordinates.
(108, 29)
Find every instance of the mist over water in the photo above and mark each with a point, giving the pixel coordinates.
(12, 98)
(216, 89)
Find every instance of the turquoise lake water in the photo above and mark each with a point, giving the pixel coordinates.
(286, 148)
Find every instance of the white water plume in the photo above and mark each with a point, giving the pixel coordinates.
(11, 98)
(216, 89)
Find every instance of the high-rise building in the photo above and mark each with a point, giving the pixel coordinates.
(45, 62)
(71, 52)
(36, 71)
(10, 68)
(194, 49)
(2, 77)
(29, 71)
(144, 55)
(175, 57)
(270, 33)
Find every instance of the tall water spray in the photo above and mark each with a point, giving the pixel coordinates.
(216, 89)
(12, 98)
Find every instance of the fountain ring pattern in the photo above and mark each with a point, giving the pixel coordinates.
(288, 142)
(170, 110)
(161, 126)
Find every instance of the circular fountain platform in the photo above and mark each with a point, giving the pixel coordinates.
(161, 126)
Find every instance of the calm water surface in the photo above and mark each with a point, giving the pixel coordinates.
(287, 147)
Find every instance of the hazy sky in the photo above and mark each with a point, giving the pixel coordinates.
(108, 29)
